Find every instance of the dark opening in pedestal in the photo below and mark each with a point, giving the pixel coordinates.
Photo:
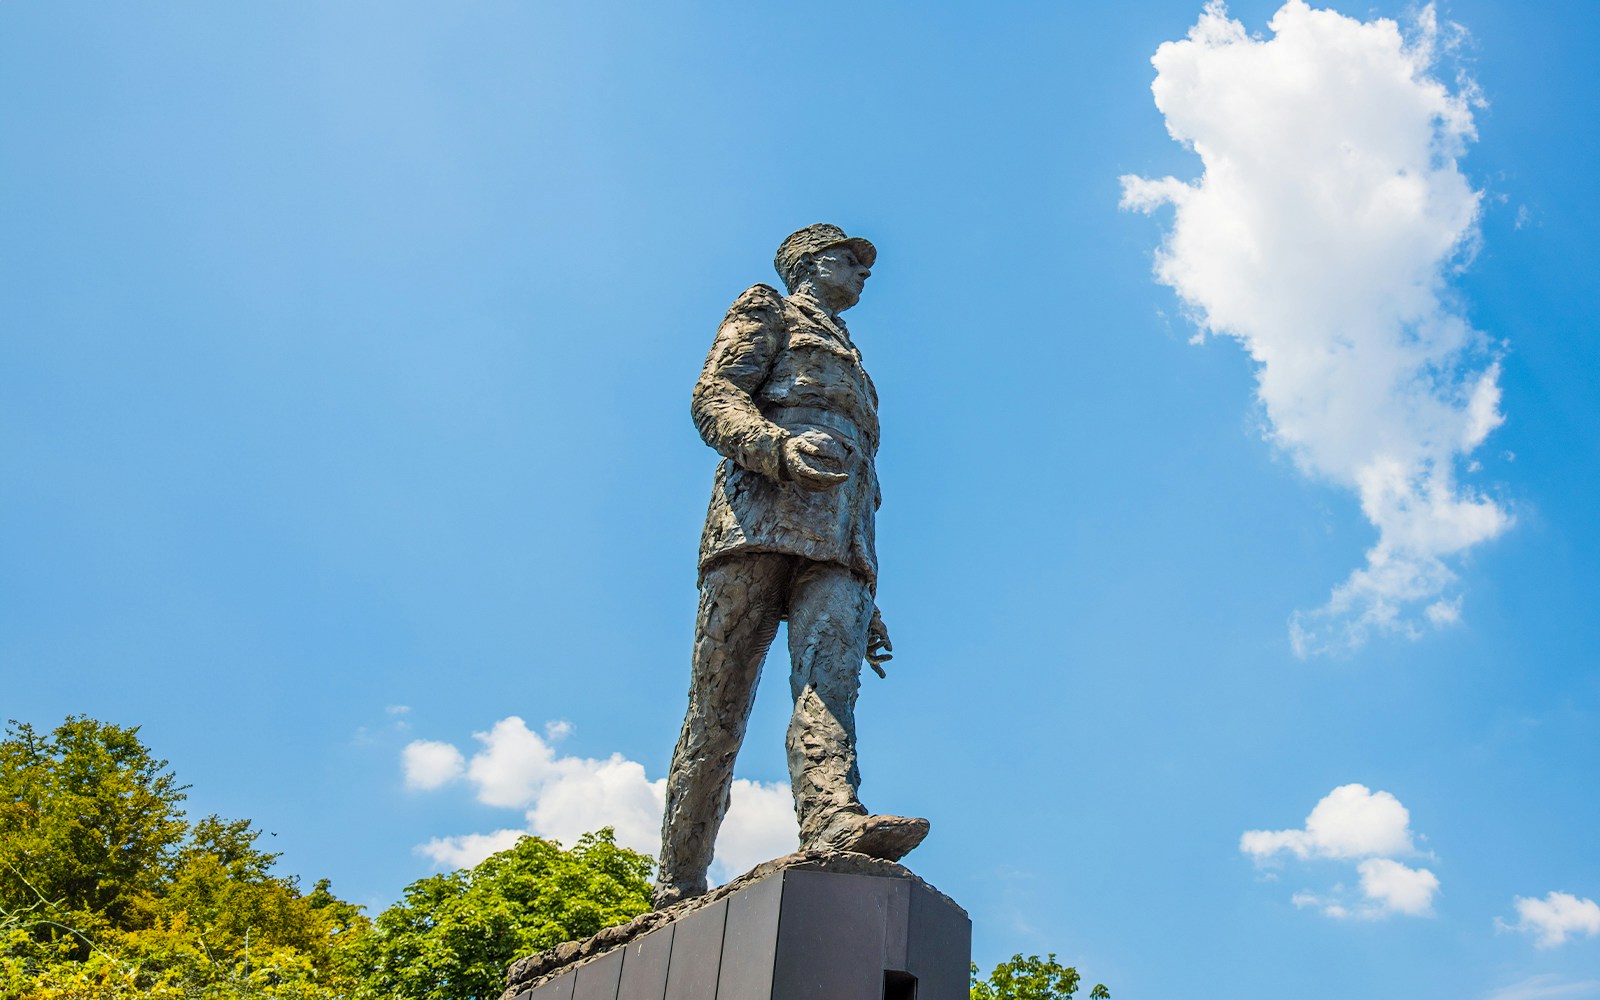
(899, 985)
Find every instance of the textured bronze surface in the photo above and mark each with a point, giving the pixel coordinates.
(784, 398)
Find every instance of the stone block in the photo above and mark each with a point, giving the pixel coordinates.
(875, 932)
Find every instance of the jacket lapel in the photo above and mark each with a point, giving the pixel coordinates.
(834, 331)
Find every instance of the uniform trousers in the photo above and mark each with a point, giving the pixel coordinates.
(743, 597)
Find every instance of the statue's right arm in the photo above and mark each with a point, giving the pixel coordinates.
(741, 358)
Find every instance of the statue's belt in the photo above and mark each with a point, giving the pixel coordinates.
(787, 416)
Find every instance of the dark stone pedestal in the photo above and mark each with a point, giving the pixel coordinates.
(872, 931)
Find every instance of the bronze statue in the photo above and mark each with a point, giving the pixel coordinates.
(789, 535)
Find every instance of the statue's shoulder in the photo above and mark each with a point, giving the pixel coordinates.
(759, 312)
(757, 299)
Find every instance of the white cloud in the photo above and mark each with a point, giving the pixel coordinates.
(1387, 887)
(1329, 905)
(564, 797)
(1444, 612)
(1554, 917)
(1392, 887)
(512, 766)
(1321, 235)
(1351, 821)
(584, 794)
(1546, 987)
(557, 730)
(429, 765)
(760, 826)
(467, 850)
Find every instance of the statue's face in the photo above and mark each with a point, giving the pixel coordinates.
(840, 276)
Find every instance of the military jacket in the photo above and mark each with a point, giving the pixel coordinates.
(778, 367)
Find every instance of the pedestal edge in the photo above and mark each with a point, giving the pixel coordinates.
(534, 970)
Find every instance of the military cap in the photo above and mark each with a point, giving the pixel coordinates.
(815, 239)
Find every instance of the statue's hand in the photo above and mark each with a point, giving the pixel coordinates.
(809, 458)
(879, 649)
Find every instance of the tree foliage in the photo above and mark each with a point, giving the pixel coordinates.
(106, 890)
(89, 820)
(453, 935)
(1032, 978)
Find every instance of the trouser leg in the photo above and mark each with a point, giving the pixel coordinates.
(830, 610)
(741, 603)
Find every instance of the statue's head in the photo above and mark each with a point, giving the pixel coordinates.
(826, 262)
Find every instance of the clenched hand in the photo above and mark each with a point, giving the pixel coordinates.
(810, 457)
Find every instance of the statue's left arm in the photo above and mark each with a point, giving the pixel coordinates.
(724, 407)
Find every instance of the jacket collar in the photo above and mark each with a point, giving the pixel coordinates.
(832, 324)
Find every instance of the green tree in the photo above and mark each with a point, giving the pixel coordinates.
(453, 935)
(1031, 978)
(246, 921)
(106, 891)
(89, 820)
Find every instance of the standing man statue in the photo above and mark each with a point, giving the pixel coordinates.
(784, 398)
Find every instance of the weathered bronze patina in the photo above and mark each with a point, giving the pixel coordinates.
(785, 400)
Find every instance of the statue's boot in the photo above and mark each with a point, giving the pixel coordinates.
(888, 837)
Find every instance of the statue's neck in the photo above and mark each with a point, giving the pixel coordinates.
(809, 294)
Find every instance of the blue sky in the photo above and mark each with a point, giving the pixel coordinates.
(345, 353)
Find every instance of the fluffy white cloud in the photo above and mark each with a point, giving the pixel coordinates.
(1321, 236)
(1349, 823)
(1352, 821)
(585, 794)
(1554, 917)
(564, 797)
(760, 826)
(1392, 887)
(513, 765)
(430, 765)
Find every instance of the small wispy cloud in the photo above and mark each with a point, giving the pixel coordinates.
(1547, 986)
(397, 725)
(557, 730)
(1353, 823)
(1322, 235)
(466, 850)
(563, 797)
(1554, 918)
